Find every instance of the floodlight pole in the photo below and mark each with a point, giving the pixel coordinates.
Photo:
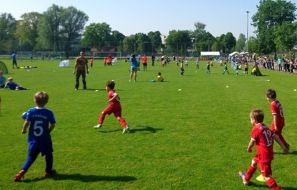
(247, 31)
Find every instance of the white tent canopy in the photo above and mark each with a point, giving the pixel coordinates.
(233, 53)
(210, 53)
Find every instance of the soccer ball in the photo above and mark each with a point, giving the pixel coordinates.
(24, 115)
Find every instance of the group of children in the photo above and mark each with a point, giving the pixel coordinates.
(40, 121)
(263, 138)
(9, 83)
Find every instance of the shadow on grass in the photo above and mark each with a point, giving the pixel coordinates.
(84, 178)
(292, 153)
(136, 130)
(264, 186)
(144, 129)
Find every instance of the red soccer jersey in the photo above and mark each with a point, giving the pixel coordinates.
(111, 94)
(276, 109)
(263, 138)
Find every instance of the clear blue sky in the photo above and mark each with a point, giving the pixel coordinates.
(133, 16)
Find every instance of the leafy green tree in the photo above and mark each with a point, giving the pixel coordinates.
(270, 16)
(117, 39)
(97, 35)
(49, 33)
(286, 36)
(155, 38)
(229, 42)
(240, 43)
(7, 32)
(202, 40)
(72, 24)
(27, 30)
(143, 43)
(178, 41)
(253, 45)
(129, 44)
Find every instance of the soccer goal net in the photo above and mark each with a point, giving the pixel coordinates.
(3, 67)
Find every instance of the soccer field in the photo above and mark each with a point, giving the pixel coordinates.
(193, 138)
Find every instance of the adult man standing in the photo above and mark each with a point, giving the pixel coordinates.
(80, 69)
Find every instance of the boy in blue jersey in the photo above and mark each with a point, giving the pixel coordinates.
(41, 122)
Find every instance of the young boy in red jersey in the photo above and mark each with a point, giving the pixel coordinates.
(278, 120)
(114, 106)
(263, 138)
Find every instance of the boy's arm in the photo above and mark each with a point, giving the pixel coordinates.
(114, 97)
(52, 126)
(250, 146)
(274, 118)
(25, 126)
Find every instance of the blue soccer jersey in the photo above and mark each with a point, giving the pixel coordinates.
(39, 133)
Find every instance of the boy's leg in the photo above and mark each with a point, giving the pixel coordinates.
(122, 121)
(32, 155)
(107, 110)
(266, 172)
(49, 162)
(251, 170)
(279, 133)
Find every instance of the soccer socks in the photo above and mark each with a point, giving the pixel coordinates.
(101, 117)
(122, 122)
(282, 139)
(251, 170)
(49, 162)
(271, 183)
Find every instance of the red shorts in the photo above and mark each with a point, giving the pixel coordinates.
(115, 109)
(265, 167)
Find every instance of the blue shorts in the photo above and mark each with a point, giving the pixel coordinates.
(44, 148)
(134, 69)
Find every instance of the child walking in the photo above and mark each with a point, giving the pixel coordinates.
(41, 122)
(114, 106)
(263, 138)
(278, 118)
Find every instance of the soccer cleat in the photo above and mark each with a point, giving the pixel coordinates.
(242, 176)
(19, 176)
(97, 126)
(126, 129)
(50, 174)
(288, 147)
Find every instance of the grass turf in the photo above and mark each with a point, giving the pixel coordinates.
(195, 138)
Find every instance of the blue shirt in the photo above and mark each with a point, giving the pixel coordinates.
(39, 119)
(11, 85)
(13, 56)
(134, 63)
(2, 80)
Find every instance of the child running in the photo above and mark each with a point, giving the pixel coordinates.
(225, 68)
(41, 122)
(263, 138)
(278, 119)
(114, 106)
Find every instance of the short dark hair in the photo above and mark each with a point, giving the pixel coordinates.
(110, 84)
(258, 115)
(159, 73)
(270, 93)
(41, 98)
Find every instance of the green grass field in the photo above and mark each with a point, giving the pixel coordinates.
(195, 138)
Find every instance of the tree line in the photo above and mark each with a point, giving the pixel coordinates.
(64, 29)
